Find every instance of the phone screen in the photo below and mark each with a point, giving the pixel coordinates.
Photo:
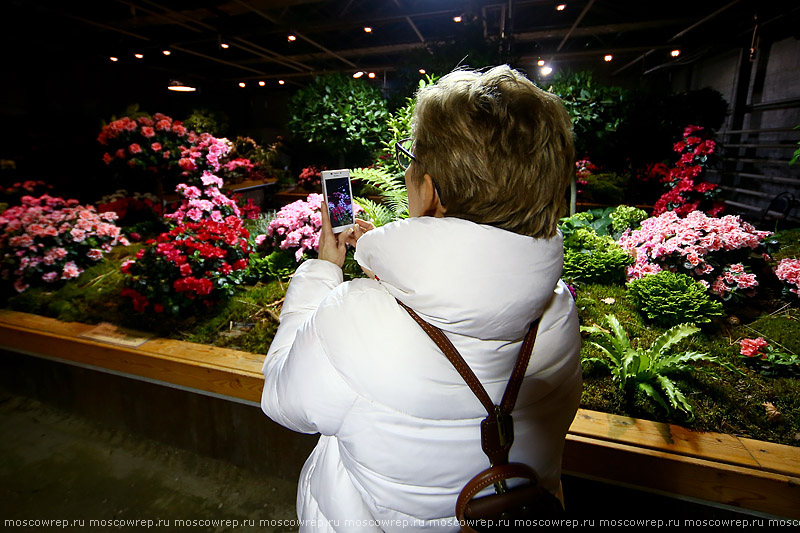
(340, 201)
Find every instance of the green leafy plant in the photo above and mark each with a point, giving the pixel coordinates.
(626, 217)
(392, 190)
(593, 258)
(647, 369)
(605, 188)
(669, 298)
(344, 115)
(596, 109)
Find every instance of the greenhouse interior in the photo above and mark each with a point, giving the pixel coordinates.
(194, 336)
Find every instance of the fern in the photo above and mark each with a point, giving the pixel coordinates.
(379, 214)
(392, 190)
(647, 369)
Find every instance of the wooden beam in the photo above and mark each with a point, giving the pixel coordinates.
(575, 24)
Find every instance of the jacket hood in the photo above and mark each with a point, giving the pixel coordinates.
(465, 278)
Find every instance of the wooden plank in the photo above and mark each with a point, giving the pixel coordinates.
(205, 368)
(774, 457)
(662, 437)
(667, 473)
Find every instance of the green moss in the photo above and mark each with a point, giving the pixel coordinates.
(723, 401)
(785, 244)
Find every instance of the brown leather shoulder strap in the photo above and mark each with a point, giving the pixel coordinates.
(514, 383)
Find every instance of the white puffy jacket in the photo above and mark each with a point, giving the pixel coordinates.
(400, 427)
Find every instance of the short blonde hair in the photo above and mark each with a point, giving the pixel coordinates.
(499, 148)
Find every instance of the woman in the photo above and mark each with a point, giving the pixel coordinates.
(480, 258)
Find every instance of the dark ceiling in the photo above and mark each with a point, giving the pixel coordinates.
(405, 35)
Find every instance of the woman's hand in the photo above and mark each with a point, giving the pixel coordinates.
(359, 229)
(332, 247)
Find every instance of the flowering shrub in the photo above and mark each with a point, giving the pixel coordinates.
(769, 360)
(711, 250)
(161, 146)
(687, 192)
(194, 263)
(199, 261)
(46, 240)
(15, 191)
(237, 170)
(583, 169)
(206, 202)
(297, 226)
(137, 205)
(247, 207)
(788, 271)
(310, 178)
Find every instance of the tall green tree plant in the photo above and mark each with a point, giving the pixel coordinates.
(345, 116)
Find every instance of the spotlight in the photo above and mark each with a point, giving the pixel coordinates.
(422, 71)
(114, 59)
(224, 45)
(367, 29)
(281, 82)
(457, 19)
(242, 84)
(607, 58)
(138, 56)
(371, 75)
(675, 53)
(561, 7)
(546, 71)
(358, 74)
(262, 83)
(166, 52)
(540, 62)
(177, 86)
(292, 38)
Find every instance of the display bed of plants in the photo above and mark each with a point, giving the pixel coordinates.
(735, 394)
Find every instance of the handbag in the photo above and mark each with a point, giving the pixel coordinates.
(509, 505)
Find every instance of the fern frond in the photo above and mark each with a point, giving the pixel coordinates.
(379, 214)
(620, 338)
(672, 336)
(392, 187)
(675, 396)
(648, 389)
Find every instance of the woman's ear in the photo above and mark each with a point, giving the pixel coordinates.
(431, 202)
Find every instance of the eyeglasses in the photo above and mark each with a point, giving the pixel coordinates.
(402, 151)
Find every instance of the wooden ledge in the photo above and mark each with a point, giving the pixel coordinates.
(713, 467)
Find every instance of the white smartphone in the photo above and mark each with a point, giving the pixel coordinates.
(338, 193)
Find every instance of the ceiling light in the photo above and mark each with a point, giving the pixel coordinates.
(262, 83)
(358, 74)
(540, 62)
(546, 71)
(242, 84)
(561, 7)
(166, 52)
(607, 58)
(675, 53)
(138, 56)
(371, 75)
(114, 59)
(224, 45)
(367, 29)
(281, 82)
(422, 71)
(292, 38)
(457, 19)
(177, 86)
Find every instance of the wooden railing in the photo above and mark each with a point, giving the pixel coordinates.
(710, 467)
